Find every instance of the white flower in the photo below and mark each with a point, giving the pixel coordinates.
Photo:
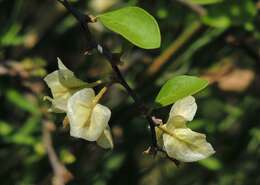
(179, 141)
(63, 84)
(186, 145)
(105, 140)
(88, 119)
(185, 107)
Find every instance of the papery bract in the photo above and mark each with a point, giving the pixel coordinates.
(105, 140)
(63, 83)
(177, 140)
(185, 107)
(186, 145)
(88, 119)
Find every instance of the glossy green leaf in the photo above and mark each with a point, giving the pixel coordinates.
(205, 2)
(134, 24)
(179, 87)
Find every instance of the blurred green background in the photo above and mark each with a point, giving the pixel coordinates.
(219, 42)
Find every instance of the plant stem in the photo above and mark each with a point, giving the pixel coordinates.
(92, 44)
(194, 7)
(61, 174)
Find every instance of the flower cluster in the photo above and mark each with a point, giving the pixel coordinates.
(177, 139)
(87, 118)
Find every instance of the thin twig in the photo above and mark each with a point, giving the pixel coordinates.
(83, 20)
(61, 174)
(194, 7)
(92, 44)
(173, 48)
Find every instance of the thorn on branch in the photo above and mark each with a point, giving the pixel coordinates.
(87, 52)
(150, 151)
(157, 121)
(92, 18)
(80, 16)
(83, 19)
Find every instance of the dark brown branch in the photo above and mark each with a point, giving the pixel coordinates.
(92, 44)
(83, 20)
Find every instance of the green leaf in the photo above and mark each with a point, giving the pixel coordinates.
(179, 87)
(218, 21)
(20, 101)
(134, 24)
(211, 163)
(114, 162)
(67, 157)
(5, 128)
(31, 125)
(205, 2)
(12, 37)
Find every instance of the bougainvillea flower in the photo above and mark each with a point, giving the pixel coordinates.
(63, 83)
(105, 140)
(177, 140)
(88, 119)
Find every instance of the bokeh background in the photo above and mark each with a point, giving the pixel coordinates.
(219, 42)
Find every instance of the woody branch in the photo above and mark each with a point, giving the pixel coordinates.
(92, 44)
